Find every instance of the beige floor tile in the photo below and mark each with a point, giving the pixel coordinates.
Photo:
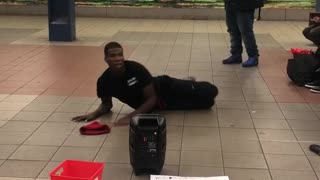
(288, 162)
(229, 114)
(79, 140)
(201, 158)
(172, 157)
(228, 95)
(41, 107)
(2, 123)
(113, 155)
(118, 141)
(80, 108)
(174, 143)
(245, 174)
(20, 98)
(263, 106)
(315, 106)
(13, 137)
(11, 106)
(174, 118)
(304, 125)
(295, 107)
(271, 124)
(124, 130)
(32, 116)
(197, 171)
(27, 169)
(46, 139)
(3, 96)
(80, 100)
(62, 117)
(49, 99)
(241, 146)
(79, 153)
(300, 115)
(244, 160)
(174, 131)
(275, 135)
(117, 171)
(7, 115)
(49, 167)
(200, 131)
(293, 175)
(13, 178)
(206, 118)
(266, 114)
(307, 135)
(20, 126)
(39, 153)
(56, 127)
(274, 147)
(201, 143)
(7, 150)
(238, 134)
(231, 105)
(315, 162)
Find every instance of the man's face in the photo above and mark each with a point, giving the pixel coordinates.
(115, 58)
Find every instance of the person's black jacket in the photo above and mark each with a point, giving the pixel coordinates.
(244, 5)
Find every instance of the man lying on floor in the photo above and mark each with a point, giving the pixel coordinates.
(132, 83)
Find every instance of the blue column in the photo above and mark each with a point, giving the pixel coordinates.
(317, 5)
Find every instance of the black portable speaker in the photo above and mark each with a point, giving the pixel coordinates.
(147, 143)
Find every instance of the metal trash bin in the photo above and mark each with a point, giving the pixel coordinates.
(61, 16)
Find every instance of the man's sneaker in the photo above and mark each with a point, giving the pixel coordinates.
(313, 84)
(316, 89)
(234, 59)
(252, 61)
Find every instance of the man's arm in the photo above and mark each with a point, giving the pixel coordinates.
(150, 102)
(104, 108)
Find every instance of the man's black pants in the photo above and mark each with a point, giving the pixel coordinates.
(178, 94)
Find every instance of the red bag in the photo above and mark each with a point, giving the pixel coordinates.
(296, 51)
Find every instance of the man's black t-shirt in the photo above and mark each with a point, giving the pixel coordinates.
(127, 88)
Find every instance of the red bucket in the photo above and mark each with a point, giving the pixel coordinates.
(77, 170)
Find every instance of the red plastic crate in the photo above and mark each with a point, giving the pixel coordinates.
(77, 170)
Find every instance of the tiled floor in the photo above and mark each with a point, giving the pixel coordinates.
(260, 128)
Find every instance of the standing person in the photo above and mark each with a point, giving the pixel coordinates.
(312, 32)
(239, 20)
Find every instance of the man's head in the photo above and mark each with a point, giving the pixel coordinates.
(113, 55)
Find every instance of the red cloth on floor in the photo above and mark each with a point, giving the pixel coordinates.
(95, 128)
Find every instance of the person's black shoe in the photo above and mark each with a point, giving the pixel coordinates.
(315, 148)
(313, 85)
(315, 90)
(234, 59)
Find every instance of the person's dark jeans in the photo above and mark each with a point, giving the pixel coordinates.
(312, 33)
(240, 27)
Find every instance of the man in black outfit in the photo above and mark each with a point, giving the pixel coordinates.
(132, 83)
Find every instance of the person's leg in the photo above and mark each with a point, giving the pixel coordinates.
(315, 35)
(235, 37)
(245, 21)
(187, 95)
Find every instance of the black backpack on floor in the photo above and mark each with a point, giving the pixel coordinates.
(302, 68)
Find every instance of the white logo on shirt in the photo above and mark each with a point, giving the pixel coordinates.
(132, 81)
